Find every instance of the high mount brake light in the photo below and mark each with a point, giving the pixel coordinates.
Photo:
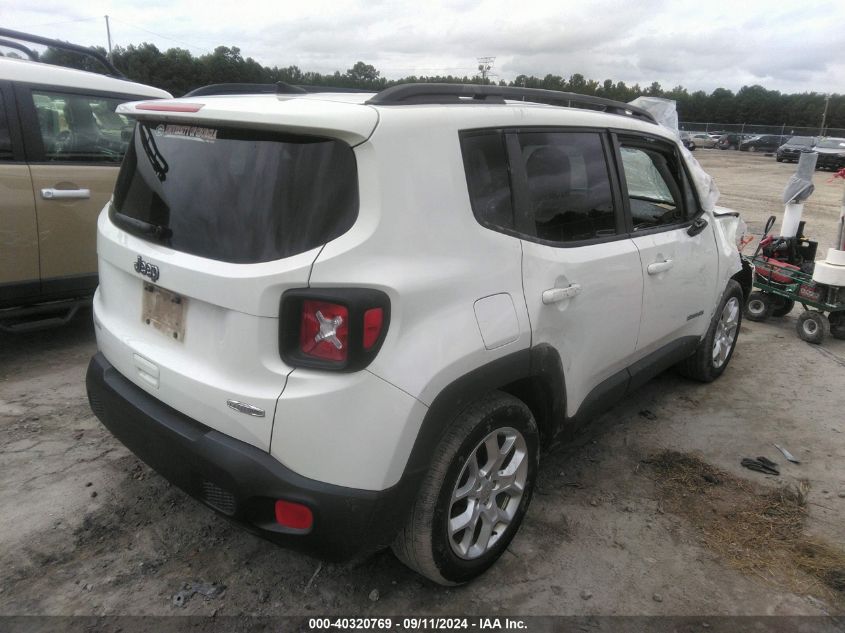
(169, 107)
(336, 329)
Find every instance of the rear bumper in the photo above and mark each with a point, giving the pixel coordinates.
(240, 481)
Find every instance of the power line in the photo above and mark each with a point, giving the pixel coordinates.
(164, 37)
(33, 26)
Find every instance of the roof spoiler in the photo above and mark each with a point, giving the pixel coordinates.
(279, 88)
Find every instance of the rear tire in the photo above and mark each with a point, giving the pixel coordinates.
(837, 324)
(717, 347)
(811, 326)
(758, 307)
(782, 306)
(487, 497)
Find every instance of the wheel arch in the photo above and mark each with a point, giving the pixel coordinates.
(745, 278)
(533, 375)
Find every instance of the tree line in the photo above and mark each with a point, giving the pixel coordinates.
(178, 71)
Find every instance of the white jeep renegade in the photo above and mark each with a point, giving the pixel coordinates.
(350, 321)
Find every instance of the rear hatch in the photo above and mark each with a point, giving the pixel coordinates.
(213, 218)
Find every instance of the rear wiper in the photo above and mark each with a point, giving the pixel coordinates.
(147, 228)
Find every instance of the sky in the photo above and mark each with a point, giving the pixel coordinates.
(786, 45)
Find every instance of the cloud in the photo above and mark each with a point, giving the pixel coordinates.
(791, 46)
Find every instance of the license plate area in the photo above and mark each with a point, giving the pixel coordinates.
(165, 311)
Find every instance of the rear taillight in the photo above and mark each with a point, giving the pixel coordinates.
(339, 329)
(373, 320)
(324, 330)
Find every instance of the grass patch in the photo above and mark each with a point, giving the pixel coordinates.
(758, 531)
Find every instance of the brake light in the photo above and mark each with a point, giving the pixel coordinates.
(324, 330)
(335, 329)
(293, 515)
(373, 320)
(170, 107)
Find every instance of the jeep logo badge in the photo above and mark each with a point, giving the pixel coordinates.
(146, 268)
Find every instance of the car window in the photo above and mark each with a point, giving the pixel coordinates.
(5, 139)
(653, 181)
(81, 128)
(488, 178)
(832, 143)
(568, 184)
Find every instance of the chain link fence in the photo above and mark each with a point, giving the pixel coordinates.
(750, 129)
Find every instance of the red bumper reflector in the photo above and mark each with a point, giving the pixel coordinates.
(293, 515)
(170, 107)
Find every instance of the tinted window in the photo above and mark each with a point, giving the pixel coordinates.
(486, 167)
(568, 185)
(235, 195)
(5, 140)
(81, 128)
(653, 182)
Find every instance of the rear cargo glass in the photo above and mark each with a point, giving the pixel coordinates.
(240, 196)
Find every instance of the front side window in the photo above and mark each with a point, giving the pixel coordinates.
(81, 128)
(569, 192)
(654, 191)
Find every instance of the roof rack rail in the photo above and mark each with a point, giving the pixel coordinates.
(278, 88)
(65, 46)
(310, 88)
(18, 46)
(414, 94)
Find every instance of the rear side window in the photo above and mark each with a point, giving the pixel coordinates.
(232, 195)
(81, 128)
(488, 179)
(569, 189)
(654, 186)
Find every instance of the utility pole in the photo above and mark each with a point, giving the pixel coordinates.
(108, 34)
(824, 114)
(485, 65)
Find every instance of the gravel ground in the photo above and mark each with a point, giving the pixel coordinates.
(87, 529)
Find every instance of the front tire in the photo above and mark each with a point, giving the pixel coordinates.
(717, 347)
(475, 494)
(811, 326)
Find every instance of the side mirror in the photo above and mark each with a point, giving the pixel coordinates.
(697, 227)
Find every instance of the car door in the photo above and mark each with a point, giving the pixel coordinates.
(19, 276)
(582, 277)
(676, 243)
(75, 142)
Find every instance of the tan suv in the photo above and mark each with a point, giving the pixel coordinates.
(61, 144)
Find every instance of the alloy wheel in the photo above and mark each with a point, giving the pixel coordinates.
(726, 331)
(488, 493)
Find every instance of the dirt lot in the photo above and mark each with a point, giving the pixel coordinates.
(615, 528)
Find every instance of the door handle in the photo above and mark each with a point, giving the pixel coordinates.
(553, 295)
(659, 267)
(65, 194)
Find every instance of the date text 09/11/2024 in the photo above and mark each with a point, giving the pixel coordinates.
(417, 623)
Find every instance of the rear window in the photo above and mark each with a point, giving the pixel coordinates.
(240, 196)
